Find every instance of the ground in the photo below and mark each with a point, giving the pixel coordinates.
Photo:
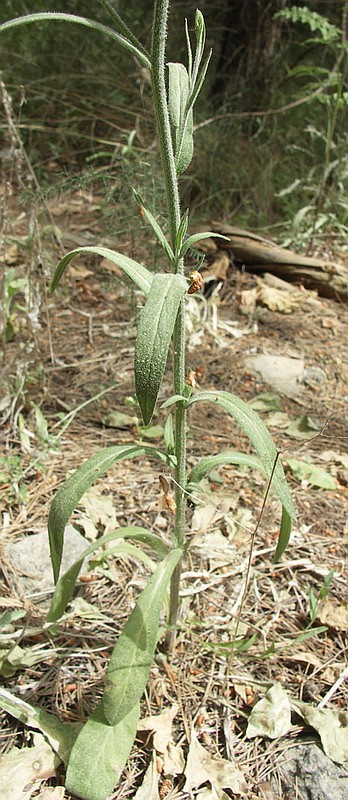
(85, 346)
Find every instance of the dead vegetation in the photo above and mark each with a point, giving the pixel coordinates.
(85, 346)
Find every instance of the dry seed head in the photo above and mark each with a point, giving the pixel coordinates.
(170, 503)
(196, 282)
(191, 378)
(164, 483)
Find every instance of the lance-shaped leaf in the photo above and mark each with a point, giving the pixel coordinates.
(206, 465)
(260, 437)
(284, 534)
(136, 272)
(169, 435)
(154, 225)
(197, 237)
(60, 735)
(182, 231)
(181, 119)
(65, 586)
(155, 330)
(71, 492)
(100, 754)
(48, 16)
(133, 653)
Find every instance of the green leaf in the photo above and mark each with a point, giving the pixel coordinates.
(47, 16)
(200, 32)
(139, 274)
(209, 463)
(302, 427)
(267, 401)
(65, 586)
(155, 330)
(169, 435)
(7, 618)
(306, 634)
(182, 231)
(41, 424)
(175, 398)
(154, 225)
(181, 119)
(260, 437)
(196, 237)
(60, 735)
(100, 754)
(189, 50)
(304, 471)
(132, 656)
(71, 492)
(15, 658)
(125, 549)
(199, 83)
(284, 535)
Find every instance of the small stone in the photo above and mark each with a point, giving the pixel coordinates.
(308, 773)
(281, 372)
(31, 561)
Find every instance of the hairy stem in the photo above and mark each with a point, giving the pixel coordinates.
(159, 35)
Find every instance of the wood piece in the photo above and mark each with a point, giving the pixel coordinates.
(257, 254)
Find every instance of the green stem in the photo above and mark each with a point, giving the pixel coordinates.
(159, 35)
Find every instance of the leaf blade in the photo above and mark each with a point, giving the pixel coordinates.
(141, 276)
(65, 586)
(133, 653)
(154, 225)
(197, 237)
(77, 484)
(181, 118)
(60, 735)
(260, 437)
(47, 16)
(205, 465)
(258, 434)
(100, 754)
(155, 331)
(284, 535)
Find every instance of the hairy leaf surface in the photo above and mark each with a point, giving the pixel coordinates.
(136, 272)
(154, 225)
(181, 118)
(155, 331)
(132, 656)
(100, 754)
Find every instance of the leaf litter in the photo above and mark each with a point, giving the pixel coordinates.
(206, 678)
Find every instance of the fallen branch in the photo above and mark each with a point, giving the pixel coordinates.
(256, 254)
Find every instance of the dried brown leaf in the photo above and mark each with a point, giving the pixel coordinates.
(201, 767)
(160, 726)
(271, 716)
(332, 614)
(149, 787)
